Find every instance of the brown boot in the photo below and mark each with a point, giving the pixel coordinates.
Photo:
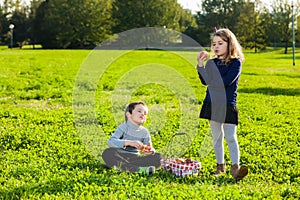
(221, 168)
(239, 172)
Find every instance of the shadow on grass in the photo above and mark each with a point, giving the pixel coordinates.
(109, 179)
(272, 91)
(168, 177)
(280, 75)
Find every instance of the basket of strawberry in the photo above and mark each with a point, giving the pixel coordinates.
(181, 166)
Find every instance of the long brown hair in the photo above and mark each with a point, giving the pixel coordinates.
(234, 49)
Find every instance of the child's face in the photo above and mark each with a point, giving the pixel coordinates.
(138, 115)
(219, 47)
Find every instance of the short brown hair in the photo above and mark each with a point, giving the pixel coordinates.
(130, 107)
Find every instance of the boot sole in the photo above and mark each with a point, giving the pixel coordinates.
(242, 172)
(219, 174)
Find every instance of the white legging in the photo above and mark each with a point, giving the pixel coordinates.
(219, 130)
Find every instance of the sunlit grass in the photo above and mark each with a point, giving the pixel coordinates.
(43, 157)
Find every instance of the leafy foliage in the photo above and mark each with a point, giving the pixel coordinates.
(83, 24)
(167, 13)
(282, 18)
(253, 23)
(86, 23)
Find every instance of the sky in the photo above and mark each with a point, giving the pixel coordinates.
(192, 5)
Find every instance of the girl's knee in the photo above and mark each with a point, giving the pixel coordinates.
(158, 156)
(108, 153)
(231, 139)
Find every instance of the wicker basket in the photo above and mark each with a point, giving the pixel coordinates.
(180, 166)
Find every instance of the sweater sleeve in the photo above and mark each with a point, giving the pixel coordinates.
(209, 74)
(116, 139)
(203, 72)
(233, 73)
(147, 138)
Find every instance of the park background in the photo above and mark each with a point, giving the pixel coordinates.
(42, 155)
(81, 24)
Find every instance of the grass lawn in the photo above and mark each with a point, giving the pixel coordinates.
(56, 114)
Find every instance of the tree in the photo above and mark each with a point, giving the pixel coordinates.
(16, 13)
(269, 26)
(297, 29)
(200, 32)
(82, 24)
(34, 5)
(130, 14)
(219, 14)
(161, 15)
(187, 20)
(20, 20)
(250, 28)
(3, 25)
(282, 18)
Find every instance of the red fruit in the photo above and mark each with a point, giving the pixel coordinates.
(204, 54)
(146, 148)
(179, 160)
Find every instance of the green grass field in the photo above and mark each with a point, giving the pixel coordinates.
(43, 156)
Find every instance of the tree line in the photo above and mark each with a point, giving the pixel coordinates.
(81, 24)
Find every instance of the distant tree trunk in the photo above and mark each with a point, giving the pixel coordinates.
(286, 47)
(282, 15)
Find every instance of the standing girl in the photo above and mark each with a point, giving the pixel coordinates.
(221, 75)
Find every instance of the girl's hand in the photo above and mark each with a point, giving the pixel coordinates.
(202, 56)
